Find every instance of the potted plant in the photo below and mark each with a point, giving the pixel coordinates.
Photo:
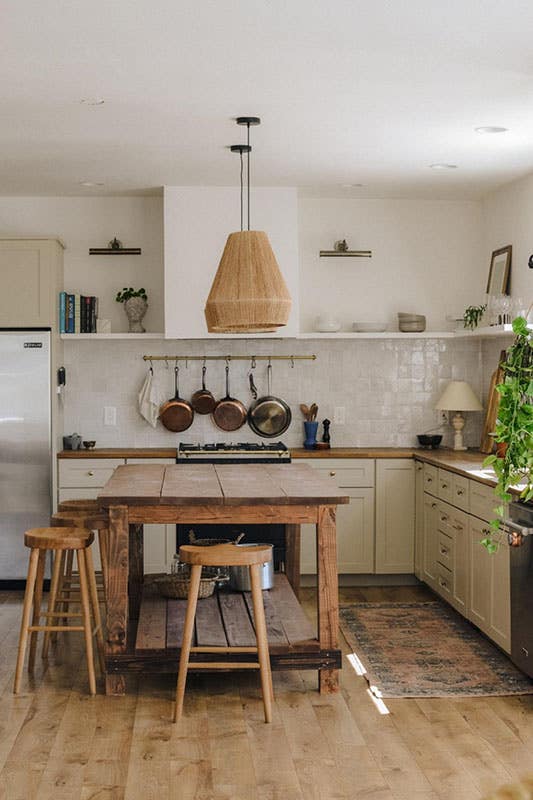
(514, 428)
(135, 305)
(472, 316)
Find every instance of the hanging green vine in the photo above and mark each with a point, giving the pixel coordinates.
(514, 427)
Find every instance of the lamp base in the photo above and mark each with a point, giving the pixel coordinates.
(458, 423)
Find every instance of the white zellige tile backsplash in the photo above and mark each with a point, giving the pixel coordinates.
(388, 387)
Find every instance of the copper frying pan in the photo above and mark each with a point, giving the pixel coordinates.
(229, 414)
(176, 414)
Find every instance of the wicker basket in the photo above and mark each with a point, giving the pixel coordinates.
(176, 586)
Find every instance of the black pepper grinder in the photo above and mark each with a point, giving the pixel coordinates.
(325, 436)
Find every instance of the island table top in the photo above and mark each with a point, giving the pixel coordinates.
(219, 485)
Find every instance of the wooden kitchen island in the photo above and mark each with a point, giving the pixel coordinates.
(290, 494)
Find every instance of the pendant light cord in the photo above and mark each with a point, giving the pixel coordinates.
(248, 172)
(242, 189)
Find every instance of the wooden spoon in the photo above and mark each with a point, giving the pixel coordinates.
(313, 411)
(305, 410)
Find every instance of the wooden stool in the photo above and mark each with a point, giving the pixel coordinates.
(93, 520)
(59, 540)
(226, 555)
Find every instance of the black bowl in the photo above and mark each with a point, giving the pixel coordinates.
(431, 440)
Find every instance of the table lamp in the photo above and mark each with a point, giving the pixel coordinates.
(458, 396)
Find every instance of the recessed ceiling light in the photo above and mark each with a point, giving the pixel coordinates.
(443, 166)
(93, 101)
(490, 129)
(91, 183)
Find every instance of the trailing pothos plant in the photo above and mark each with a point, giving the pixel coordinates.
(514, 428)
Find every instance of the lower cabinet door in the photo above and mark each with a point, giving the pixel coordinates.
(355, 536)
(419, 520)
(459, 525)
(490, 587)
(395, 515)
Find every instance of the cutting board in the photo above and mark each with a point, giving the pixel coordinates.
(487, 441)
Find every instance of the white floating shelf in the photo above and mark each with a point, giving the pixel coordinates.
(99, 336)
(483, 333)
(380, 335)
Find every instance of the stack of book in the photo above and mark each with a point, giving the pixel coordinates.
(77, 313)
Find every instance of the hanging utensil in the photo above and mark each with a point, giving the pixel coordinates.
(202, 400)
(176, 414)
(270, 416)
(229, 414)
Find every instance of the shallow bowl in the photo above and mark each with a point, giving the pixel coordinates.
(369, 327)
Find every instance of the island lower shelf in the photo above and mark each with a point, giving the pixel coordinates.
(224, 619)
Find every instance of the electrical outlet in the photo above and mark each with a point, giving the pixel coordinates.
(339, 415)
(110, 415)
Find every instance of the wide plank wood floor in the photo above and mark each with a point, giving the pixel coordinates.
(57, 742)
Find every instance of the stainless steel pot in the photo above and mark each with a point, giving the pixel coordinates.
(239, 577)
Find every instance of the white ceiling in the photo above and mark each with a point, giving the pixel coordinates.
(349, 91)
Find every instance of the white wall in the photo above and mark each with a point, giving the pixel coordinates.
(92, 222)
(428, 258)
(508, 219)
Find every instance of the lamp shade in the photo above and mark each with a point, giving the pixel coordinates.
(458, 396)
(248, 293)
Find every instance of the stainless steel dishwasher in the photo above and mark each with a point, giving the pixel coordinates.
(520, 537)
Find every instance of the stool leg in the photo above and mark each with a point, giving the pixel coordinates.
(86, 611)
(67, 578)
(37, 599)
(52, 599)
(26, 611)
(188, 628)
(102, 544)
(262, 641)
(93, 593)
(59, 604)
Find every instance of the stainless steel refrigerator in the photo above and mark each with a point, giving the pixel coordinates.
(25, 444)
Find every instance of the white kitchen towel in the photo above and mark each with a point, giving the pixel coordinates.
(150, 399)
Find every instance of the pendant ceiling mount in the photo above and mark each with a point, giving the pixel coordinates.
(249, 294)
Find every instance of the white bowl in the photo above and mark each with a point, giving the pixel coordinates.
(327, 324)
(369, 327)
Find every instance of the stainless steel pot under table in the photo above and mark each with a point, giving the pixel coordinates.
(239, 577)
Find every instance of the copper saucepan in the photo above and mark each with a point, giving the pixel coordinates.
(176, 414)
(202, 400)
(229, 413)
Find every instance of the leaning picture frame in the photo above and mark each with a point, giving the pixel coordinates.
(499, 280)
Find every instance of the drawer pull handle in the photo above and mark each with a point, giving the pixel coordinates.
(444, 551)
(91, 472)
(429, 480)
(457, 527)
(444, 486)
(443, 583)
(332, 473)
(433, 505)
(460, 491)
(444, 518)
(486, 531)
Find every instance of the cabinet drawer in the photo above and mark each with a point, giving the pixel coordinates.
(482, 500)
(444, 582)
(445, 485)
(444, 518)
(431, 475)
(445, 550)
(460, 486)
(347, 473)
(86, 472)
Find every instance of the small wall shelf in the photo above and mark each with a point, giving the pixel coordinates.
(114, 248)
(345, 254)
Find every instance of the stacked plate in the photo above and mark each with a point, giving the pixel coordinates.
(411, 323)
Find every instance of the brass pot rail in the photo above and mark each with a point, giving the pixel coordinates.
(227, 358)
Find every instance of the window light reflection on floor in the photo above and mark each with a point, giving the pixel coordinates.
(373, 692)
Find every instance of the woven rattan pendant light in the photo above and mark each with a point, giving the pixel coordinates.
(249, 294)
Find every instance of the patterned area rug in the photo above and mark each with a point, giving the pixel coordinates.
(426, 649)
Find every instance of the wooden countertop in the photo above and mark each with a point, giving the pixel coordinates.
(120, 452)
(468, 463)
